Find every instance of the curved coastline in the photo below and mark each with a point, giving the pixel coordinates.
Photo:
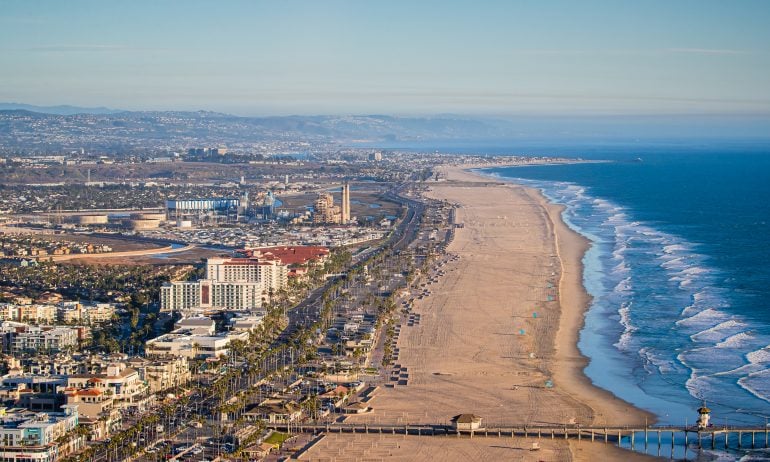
(569, 363)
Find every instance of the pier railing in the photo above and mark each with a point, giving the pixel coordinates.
(714, 437)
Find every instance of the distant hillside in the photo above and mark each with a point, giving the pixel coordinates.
(27, 129)
(59, 110)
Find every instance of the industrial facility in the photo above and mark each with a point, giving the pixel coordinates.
(209, 210)
(325, 212)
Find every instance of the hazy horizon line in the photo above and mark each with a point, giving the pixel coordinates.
(406, 114)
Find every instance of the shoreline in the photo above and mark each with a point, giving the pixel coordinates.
(574, 302)
(496, 336)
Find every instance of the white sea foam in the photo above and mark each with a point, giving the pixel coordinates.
(692, 270)
(697, 384)
(738, 340)
(639, 259)
(758, 360)
(758, 384)
(707, 317)
(651, 359)
(628, 328)
(674, 263)
(671, 248)
(623, 287)
(719, 332)
(616, 218)
(620, 249)
(761, 356)
(621, 268)
(604, 204)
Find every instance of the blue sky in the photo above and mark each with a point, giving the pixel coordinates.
(396, 57)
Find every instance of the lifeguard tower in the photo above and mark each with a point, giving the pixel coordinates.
(704, 415)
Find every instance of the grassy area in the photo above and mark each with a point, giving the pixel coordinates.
(277, 438)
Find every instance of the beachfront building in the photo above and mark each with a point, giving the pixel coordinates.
(241, 284)
(274, 411)
(466, 422)
(36, 436)
(207, 294)
(120, 382)
(184, 343)
(297, 259)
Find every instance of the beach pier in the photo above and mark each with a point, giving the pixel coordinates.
(624, 437)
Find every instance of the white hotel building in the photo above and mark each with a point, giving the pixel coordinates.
(230, 284)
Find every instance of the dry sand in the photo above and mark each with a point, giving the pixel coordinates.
(348, 447)
(478, 347)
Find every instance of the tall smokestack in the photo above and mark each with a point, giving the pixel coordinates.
(345, 202)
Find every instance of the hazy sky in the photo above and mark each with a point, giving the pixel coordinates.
(398, 57)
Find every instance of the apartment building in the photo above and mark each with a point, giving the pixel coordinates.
(85, 313)
(119, 381)
(21, 339)
(35, 436)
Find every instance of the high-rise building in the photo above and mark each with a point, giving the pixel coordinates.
(230, 284)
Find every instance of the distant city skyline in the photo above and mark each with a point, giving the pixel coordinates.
(396, 57)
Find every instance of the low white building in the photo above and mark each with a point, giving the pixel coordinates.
(182, 342)
(247, 323)
(198, 325)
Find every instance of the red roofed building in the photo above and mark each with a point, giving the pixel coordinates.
(96, 410)
(291, 255)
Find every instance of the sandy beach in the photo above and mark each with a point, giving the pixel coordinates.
(498, 336)
(339, 448)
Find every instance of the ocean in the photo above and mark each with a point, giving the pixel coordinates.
(679, 271)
